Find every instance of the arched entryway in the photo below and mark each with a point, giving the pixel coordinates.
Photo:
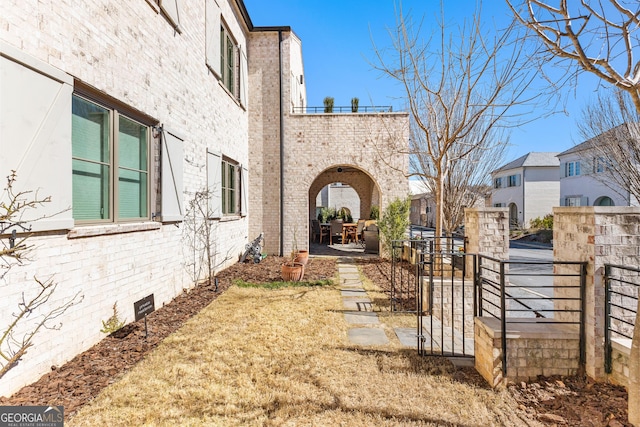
(604, 201)
(353, 189)
(348, 177)
(513, 215)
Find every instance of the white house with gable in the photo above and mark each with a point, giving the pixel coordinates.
(529, 186)
(585, 180)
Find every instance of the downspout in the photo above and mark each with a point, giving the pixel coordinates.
(524, 200)
(281, 146)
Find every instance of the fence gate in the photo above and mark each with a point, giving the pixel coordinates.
(438, 286)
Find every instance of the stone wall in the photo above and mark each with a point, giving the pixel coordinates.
(532, 349)
(597, 235)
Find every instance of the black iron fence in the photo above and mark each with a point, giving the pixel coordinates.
(622, 285)
(436, 287)
(515, 292)
(342, 110)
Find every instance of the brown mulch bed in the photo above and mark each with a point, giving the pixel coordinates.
(561, 401)
(82, 378)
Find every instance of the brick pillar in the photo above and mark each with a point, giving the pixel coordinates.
(487, 231)
(597, 235)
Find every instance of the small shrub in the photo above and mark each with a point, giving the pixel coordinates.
(545, 223)
(113, 323)
(394, 222)
(375, 212)
(328, 104)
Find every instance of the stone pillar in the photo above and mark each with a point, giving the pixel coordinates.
(597, 235)
(487, 231)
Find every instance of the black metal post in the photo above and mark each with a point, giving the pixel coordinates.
(503, 320)
(607, 319)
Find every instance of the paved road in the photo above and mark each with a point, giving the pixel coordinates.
(526, 281)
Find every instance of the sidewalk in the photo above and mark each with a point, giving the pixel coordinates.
(364, 326)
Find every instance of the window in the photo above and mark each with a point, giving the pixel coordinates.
(601, 165)
(499, 205)
(228, 61)
(513, 180)
(576, 201)
(110, 163)
(227, 184)
(572, 168)
(497, 183)
(229, 188)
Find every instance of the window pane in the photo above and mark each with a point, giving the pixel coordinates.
(90, 190)
(90, 131)
(132, 194)
(90, 150)
(132, 145)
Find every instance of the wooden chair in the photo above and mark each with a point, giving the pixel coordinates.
(359, 231)
(317, 231)
(335, 230)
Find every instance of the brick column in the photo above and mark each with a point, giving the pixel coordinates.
(597, 235)
(487, 231)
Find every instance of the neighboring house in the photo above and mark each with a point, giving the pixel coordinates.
(123, 113)
(529, 186)
(339, 195)
(423, 210)
(585, 180)
(423, 206)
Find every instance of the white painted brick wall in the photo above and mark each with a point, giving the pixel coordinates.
(130, 52)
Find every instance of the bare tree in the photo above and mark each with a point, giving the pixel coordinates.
(16, 338)
(611, 151)
(599, 37)
(200, 236)
(463, 87)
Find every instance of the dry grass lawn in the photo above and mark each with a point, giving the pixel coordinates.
(258, 357)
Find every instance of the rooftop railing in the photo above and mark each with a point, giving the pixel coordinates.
(343, 110)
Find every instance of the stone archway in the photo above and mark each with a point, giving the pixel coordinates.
(366, 188)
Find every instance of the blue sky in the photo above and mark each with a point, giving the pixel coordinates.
(337, 50)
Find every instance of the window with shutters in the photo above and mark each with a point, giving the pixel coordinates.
(110, 164)
(513, 180)
(229, 62)
(230, 180)
(497, 183)
(572, 168)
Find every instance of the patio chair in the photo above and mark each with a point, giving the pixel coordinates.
(318, 231)
(359, 231)
(335, 230)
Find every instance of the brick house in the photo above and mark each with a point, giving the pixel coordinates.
(128, 113)
(529, 186)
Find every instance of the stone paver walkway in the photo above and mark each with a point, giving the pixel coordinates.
(364, 326)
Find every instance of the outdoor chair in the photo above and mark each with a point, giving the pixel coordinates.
(318, 231)
(335, 230)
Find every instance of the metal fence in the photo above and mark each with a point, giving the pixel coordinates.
(343, 110)
(622, 285)
(435, 286)
(561, 301)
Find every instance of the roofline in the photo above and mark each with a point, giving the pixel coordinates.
(252, 28)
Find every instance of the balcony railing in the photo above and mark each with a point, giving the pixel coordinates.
(343, 110)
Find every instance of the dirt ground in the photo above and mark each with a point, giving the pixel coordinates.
(569, 401)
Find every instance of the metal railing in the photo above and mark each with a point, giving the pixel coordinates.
(343, 110)
(622, 285)
(559, 303)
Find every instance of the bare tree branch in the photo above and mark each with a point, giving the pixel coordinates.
(611, 151)
(464, 89)
(605, 42)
